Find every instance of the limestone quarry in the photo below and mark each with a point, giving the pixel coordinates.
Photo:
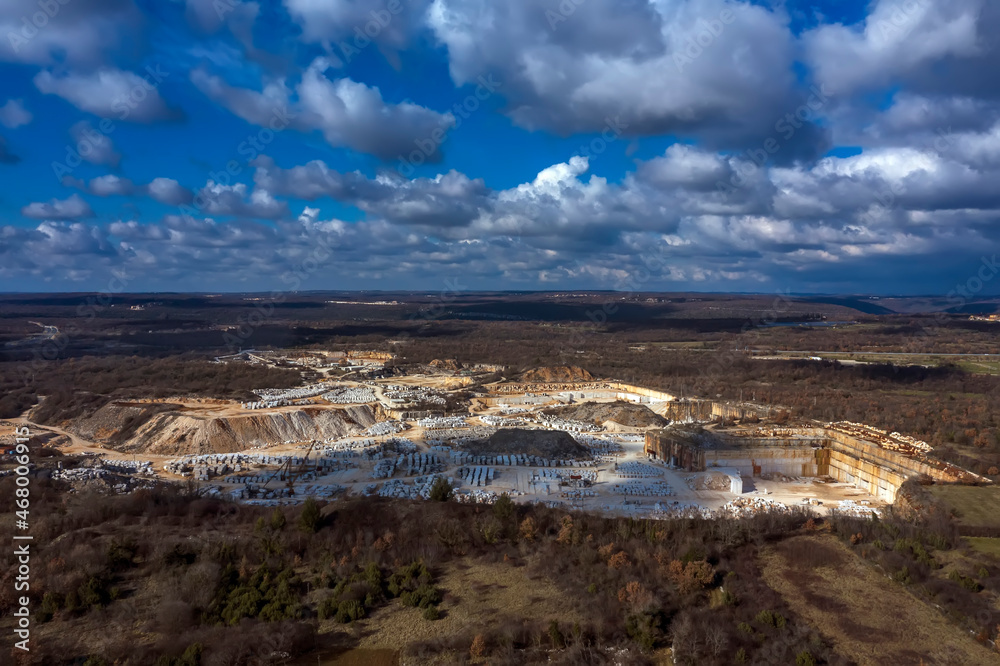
(866, 457)
(566, 439)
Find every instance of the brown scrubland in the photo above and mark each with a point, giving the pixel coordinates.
(163, 577)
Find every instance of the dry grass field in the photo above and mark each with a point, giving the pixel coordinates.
(867, 617)
(985, 545)
(975, 506)
(476, 593)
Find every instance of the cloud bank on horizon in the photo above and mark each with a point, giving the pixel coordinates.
(527, 144)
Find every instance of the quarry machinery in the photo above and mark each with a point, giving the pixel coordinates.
(289, 473)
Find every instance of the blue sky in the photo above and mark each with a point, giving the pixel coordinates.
(220, 145)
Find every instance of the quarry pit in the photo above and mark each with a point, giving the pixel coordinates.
(594, 445)
(868, 458)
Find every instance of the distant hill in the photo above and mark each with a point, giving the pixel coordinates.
(861, 304)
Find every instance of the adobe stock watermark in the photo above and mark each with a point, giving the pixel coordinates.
(427, 147)
(613, 129)
(452, 290)
(705, 34)
(888, 196)
(652, 264)
(365, 34)
(22, 539)
(224, 7)
(563, 11)
(785, 128)
(320, 249)
(30, 26)
(901, 21)
(50, 348)
(90, 139)
(749, 333)
(249, 149)
(962, 294)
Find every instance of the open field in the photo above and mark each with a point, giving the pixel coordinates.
(848, 600)
(975, 506)
(986, 364)
(985, 545)
(476, 593)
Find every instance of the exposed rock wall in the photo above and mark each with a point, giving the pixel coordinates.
(709, 410)
(537, 385)
(825, 451)
(687, 410)
(675, 448)
(880, 471)
(179, 432)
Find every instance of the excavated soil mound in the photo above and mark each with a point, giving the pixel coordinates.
(560, 373)
(622, 413)
(181, 431)
(552, 444)
(446, 364)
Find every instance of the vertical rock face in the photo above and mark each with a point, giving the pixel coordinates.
(179, 431)
(688, 410)
(847, 453)
(706, 410)
(676, 450)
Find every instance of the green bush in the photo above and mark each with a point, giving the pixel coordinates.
(422, 597)
(50, 606)
(408, 579)
(492, 530)
(771, 619)
(938, 541)
(431, 613)
(191, 657)
(349, 611)
(310, 519)
(95, 593)
(503, 508)
(441, 490)
(646, 628)
(805, 658)
(556, 635)
(968, 583)
(121, 554)
(263, 595)
(327, 608)
(741, 656)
